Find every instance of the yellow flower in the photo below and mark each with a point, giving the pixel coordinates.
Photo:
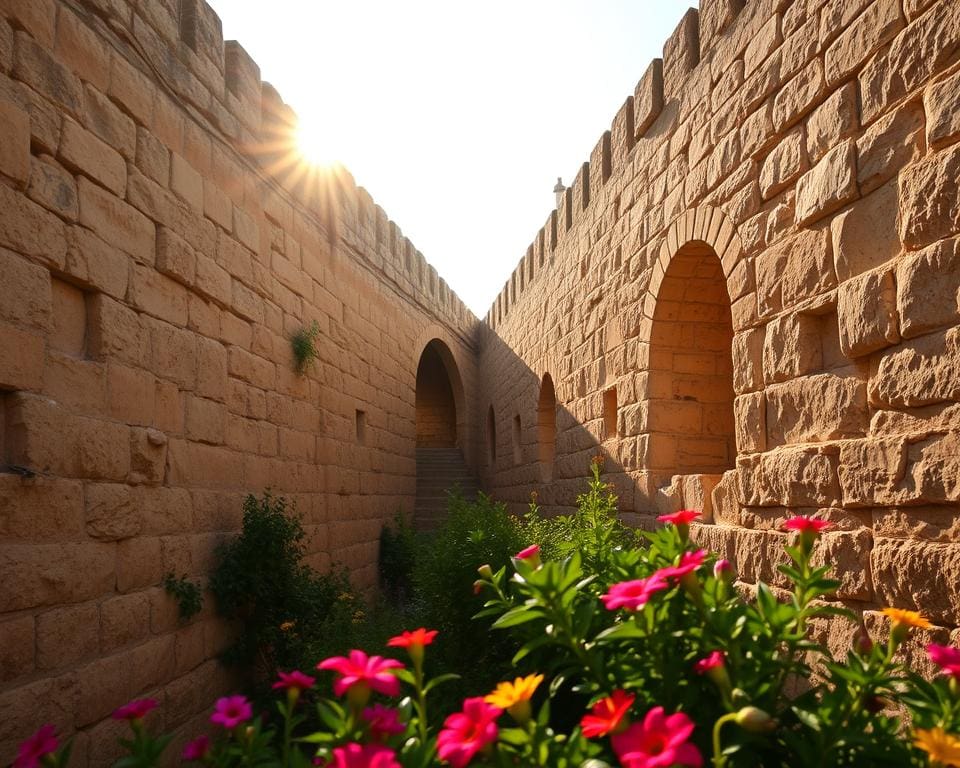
(907, 618)
(515, 697)
(939, 745)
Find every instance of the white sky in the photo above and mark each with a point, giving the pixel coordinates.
(456, 116)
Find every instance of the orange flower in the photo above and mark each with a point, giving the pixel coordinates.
(904, 618)
(515, 697)
(940, 746)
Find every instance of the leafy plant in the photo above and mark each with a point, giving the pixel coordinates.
(398, 555)
(304, 346)
(187, 593)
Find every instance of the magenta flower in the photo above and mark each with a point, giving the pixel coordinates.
(383, 722)
(945, 657)
(231, 711)
(135, 710)
(806, 524)
(657, 742)
(293, 680)
(364, 756)
(33, 750)
(683, 517)
(467, 732)
(197, 749)
(722, 569)
(370, 672)
(633, 595)
(715, 659)
(532, 551)
(689, 562)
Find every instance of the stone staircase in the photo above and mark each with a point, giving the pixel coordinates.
(440, 470)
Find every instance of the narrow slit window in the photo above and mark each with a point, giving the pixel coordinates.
(362, 427)
(610, 413)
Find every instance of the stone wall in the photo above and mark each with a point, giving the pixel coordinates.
(159, 245)
(748, 298)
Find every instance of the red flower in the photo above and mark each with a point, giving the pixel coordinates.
(532, 551)
(683, 517)
(33, 750)
(383, 722)
(364, 756)
(466, 733)
(358, 669)
(609, 715)
(135, 710)
(689, 562)
(806, 524)
(945, 657)
(657, 742)
(633, 595)
(197, 749)
(715, 659)
(294, 680)
(231, 711)
(419, 637)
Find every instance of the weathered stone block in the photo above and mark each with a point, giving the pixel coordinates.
(920, 372)
(928, 288)
(648, 98)
(54, 574)
(889, 144)
(117, 222)
(918, 575)
(835, 119)
(798, 477)
(747, 353)
(783, 165)
(865, 235)
(27, 228)
(681, 52)
(54, 188)
(942, 105)
(930, 207)
(34, 65)
(750, 419)
(829, 185)
(17, 653)
(867, 313)
(798, 96)
(791, 347)
(817, 408)
(794, 270)
(111, 512)
(15, 149)
(25, 295)
(67, 635)
(93, 263)
(84, 152)
(21, 359)
(860, 40)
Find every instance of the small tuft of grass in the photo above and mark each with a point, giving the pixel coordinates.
(304, 346)
(187, 594)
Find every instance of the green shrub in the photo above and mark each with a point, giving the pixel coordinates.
(398, 556)
(187, 593)
(304, 346)
(285, 609)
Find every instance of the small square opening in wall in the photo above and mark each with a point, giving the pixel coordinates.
(610, 413)
(517, 453)
(362, 427)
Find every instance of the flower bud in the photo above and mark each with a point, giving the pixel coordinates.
(485, 571)
(477, 587)
(862, 644)
(755, 720)
(723, 570)
(739, 697)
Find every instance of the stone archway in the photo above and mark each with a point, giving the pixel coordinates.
(546, 427)
(436, 405)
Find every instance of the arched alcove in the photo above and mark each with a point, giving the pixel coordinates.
(436, 402)
(547, 427)
(690, 412)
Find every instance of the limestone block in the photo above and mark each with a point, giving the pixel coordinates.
(67, 635)
(648, 98)
(829, 185)
(158, 295)
(18, 651)
(173, 353)
(715, 17)
(27, 228)
(109, 122)
(918, 575)
(175, 257)
(36, 66)
(931, 523)
(138, 563)
(799, 95)
(867, 313)
(919, 372)
(835, 119)
(747, 353)
(930, 207)
(862, 38)
(205, 420)
(762, 45)
(928, 288)
(865, 235)
(84, 152)
(111, 512)
(148, 456)
(750, 420)
(152, 157)
(25, 294)
(15, 150)
(793, 270)
(211, 369)
(785, 163)
(895, 140)
(942, 104)
(124, 620)
(186, 182)
(55, 574)
(94, 263)
(681, 52)
(41, 511)
(725, 500)
(53, 188)
(117, 222)
(791, 347)
(816, 408)
(798, 477)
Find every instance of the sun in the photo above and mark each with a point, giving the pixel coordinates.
(314, 145)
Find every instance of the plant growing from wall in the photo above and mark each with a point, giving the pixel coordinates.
(304, 346)
(187, 593)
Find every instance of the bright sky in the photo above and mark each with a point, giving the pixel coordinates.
(456, 116)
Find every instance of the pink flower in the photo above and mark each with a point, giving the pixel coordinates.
(609, 715)
(683, 517)
(532, 551)
(633, 595)
(231, 711)
(806, 524)
(197, 749)
(364, 756)
(371, 672)
(135, 710)
(294, 680)
(466, 733)
(722, 569)
(945, 657)
(657, 742)
(689, 562)
(712, 661)
(383, 722)
(33, 750)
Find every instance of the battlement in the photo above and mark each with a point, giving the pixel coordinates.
(221, 84)
(695, 57)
